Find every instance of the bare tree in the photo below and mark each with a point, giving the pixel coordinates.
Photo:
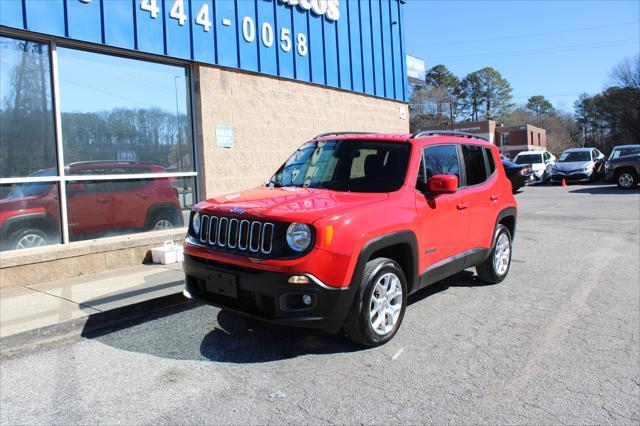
(627, 73)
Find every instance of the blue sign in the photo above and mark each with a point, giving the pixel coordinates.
(224, 136)
(354, 45)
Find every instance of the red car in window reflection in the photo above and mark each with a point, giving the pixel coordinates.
(29, 213)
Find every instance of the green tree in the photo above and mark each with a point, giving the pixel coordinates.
(539, 105)
(496, 93)
(470, 95)
(440, 77)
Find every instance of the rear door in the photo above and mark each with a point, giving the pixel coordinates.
(481, 192)
(443, 217)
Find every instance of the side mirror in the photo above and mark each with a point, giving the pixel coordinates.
(443, 184)
(76, 187)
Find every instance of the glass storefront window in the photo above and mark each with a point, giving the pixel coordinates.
(27, 136)
(122, 109)
(29, 215)
(119, 117)
(100, 208)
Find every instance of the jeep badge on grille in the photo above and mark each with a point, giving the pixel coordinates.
(237, 210)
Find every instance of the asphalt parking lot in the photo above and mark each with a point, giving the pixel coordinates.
(556, 342)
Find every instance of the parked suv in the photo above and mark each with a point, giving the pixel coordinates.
(349, 226)
(29, 213)
(623, 166)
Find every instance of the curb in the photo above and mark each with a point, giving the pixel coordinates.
(89, 326)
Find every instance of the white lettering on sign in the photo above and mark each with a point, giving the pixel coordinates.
(328, 8)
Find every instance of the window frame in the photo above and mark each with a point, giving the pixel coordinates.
(62, 179)
(486, 166)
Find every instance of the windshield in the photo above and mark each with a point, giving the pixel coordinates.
(32, 189)
(574, 156)
(623, 152)
(346, 165)
(528, 158)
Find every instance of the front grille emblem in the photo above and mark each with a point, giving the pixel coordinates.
(237, 210)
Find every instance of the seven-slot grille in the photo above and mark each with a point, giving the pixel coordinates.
(237, 234)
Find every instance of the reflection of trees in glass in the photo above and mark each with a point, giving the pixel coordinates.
(441, 161)
(151, 133)
(27, 142)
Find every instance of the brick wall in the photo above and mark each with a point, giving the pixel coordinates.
(271, 117)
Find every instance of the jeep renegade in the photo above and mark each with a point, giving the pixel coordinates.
(349, 226)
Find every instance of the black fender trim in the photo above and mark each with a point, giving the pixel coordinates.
(508, 212)
(344, 302)
(384, 241)
(14, 222)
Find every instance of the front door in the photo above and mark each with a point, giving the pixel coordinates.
(444, 219)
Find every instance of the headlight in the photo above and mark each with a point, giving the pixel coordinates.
(588, 168)
(298, 236)
(195, 223)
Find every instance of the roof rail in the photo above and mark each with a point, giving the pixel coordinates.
(322, 135)
(422, 133)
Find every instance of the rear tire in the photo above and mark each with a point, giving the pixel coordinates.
(496, 267)
(378, 309)
(627, 179)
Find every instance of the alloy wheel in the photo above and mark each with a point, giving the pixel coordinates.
(625, 180)
(30, 241)
(502, 255)
(385, 304)
(163, 224)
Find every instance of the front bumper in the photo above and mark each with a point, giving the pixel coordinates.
(571, 177)
(267, 295)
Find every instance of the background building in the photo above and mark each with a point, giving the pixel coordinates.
(116, 116)
(510, 140)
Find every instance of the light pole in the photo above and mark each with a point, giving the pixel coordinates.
(180, 167)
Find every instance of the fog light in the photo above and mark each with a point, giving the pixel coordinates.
(298, 279)
(306, 299)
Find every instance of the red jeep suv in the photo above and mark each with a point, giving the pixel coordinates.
(29, 213)
(349, 226)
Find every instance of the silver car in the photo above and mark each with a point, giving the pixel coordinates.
(578, 165)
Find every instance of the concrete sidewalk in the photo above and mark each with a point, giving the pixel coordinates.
(34, 314)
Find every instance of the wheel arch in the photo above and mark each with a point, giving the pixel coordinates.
(43, 221)
(402, 247)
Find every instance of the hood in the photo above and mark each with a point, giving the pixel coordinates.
(572, 165)
(288, 204)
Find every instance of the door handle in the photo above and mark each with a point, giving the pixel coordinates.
(463, 205)
(144, 197)
(103, 200)
(494, 198)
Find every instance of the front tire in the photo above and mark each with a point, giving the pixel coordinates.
(496, 267)
(29, 238)
(627, 179)
(378, 309)
(165, 219)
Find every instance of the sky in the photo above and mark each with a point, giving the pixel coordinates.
(559, 49)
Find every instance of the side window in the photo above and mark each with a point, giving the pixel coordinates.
(441, 160)
(474, 164)
(492, 164)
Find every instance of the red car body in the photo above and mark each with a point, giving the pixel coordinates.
(94, 207)
(423, 234)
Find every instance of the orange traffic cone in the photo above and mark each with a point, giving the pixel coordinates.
(564, 183)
